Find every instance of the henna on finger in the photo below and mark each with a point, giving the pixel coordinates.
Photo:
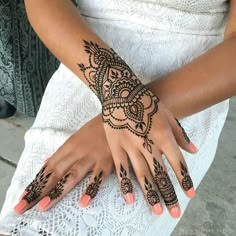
(187, 182)
(184, 133)
(126, 102)
(164, 184)
(93, 188)
(58, 189)
(152, 195)
(126, 184)
(34, 190)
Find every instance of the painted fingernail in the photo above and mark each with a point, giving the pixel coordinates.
(194, 148)
(19, 208)
(129, 197)
(175, 212)
(157, 208)
(44, 202)
(23, 194)
(85, 200)
(191, 192)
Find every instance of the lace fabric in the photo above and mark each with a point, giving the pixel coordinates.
(68, 104)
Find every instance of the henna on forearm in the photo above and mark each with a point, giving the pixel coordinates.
(126, 102)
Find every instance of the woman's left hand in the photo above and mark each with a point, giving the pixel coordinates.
(85, 151)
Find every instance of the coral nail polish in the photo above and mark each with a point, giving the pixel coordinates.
(23, 194)
(157, 208)
(84, 202)
(44, 202)
(194, 148)
(191, 192)
(175, 212)
(19, 208)
(129, 197)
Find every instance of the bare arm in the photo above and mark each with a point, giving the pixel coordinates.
(207, 80)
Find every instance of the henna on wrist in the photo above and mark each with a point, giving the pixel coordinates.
(126, 102)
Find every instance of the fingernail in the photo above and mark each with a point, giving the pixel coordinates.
(157, 208)
(129, 197)
(175, 212)
(46, 160)
(23, 194)
(194, 148)
(84, 202)
(191, 192)
(44, 202)
(20, 207)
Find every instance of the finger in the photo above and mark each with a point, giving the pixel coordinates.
(122, 170)
(178, 164)
(164, 184)
(181, 135)
(96, 181)
(45, 179)
(77, 172)
(146, 182)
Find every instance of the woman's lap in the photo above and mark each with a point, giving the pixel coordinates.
(64, 109)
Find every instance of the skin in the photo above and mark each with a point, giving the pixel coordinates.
(194, 101)
(161, 134)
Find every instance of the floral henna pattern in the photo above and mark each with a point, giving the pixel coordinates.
(93, 188)
(34, 190)
(126, 103)
(184, 133)
(58, 189)
(152, 195)
(187, 182)
(126, 184)
(164, 184)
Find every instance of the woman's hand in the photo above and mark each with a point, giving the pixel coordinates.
(85, 151)
(138, 128)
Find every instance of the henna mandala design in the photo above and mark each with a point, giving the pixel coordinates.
(126, 184)
(164, 184)
(58, 189)
(93, 188)
(184, 133)
(187, 182)
(152, 195)
(35, 188)
(126, 103)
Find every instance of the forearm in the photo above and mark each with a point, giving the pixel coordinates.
(62, 29)
(207, 80)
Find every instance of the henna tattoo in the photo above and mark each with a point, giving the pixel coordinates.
(164, 184)
(184, 133)
(187, 182)
(126, 184)
(36, 186)
(126, 102)
(58, 189)
(93, 188)
(152, 195)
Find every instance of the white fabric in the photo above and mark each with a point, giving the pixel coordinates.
(154, 38)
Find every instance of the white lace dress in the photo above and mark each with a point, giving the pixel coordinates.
(154, 37)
